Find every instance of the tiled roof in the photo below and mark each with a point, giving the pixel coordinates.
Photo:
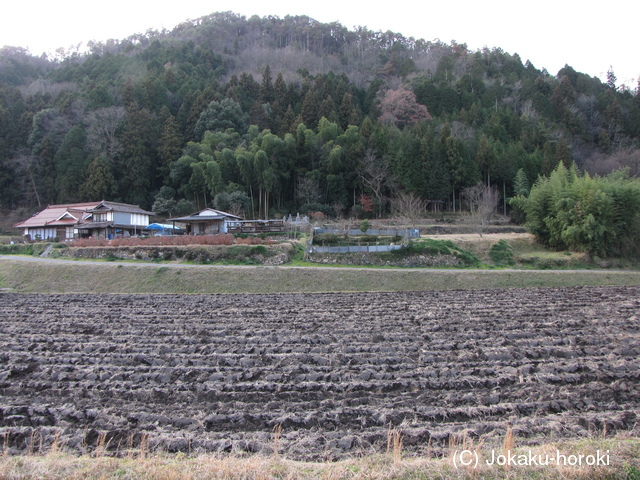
(204, 215)
(196, 218)
(54, 215)
(105, 206)
(209, 213)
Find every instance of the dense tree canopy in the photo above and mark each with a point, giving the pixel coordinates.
(275, 116)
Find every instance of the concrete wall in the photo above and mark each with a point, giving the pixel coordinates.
(355, 249)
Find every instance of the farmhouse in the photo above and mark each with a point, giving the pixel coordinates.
(111, 219)
(207, 221)
(97, 219)
(56, 221)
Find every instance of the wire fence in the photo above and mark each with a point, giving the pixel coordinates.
(401, 232)
(360, 247)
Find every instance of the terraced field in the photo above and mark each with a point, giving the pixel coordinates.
(220, 373)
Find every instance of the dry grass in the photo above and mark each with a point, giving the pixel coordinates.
(394, 444)
(277, 432)
(527, 251)
(623, 455)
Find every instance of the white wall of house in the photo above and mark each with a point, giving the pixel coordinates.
(122, 218)
(103, 216)
(43, 233)
(139, 219)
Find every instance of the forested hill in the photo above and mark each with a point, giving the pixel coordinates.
(274, 116)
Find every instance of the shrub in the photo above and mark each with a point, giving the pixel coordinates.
(259, 250)
(431, 247)
(17, 249)
(38, 248)
(439, 247)
(237, 252)
(326, 239)
(368, 238)
(501, 254)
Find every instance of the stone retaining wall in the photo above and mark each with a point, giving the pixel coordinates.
(267, 254)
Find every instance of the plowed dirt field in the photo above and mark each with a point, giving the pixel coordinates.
(214, 373)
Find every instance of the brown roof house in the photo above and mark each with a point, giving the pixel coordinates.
(207, 221)
(92, 219)
(56, 221)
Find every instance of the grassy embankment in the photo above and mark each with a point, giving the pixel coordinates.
(104, 277)
(622, 457)
(520, 252)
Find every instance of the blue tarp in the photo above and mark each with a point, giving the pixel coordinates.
(162, 226)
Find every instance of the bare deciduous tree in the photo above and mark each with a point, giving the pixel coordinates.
(26, 167)
(604, 164)
(483, 201)
(103, 125)
(307, 190)
(345, 225)
(408, 206)
(338, 209)
(375, 175)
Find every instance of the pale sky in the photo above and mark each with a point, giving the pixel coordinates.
(550, 33)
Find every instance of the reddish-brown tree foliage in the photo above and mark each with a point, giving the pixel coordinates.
(400, 108)
(366, 202)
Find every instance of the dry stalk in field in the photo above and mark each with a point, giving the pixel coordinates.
(277, 431)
